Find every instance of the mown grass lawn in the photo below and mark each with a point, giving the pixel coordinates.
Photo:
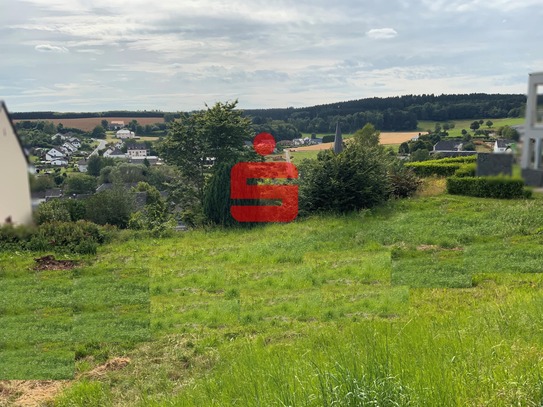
(433, 301)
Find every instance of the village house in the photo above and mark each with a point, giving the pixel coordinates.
(451, 148)
(503, 146)
(53, 154)
(82, 165)
(60, 136)
(151, 159)
(137, 150)
(75, 142)
(125, 134)
(116, 125)
(59, 162)
(69, 147)
(15, 203)
(114, 152)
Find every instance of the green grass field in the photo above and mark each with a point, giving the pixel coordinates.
(432, 301)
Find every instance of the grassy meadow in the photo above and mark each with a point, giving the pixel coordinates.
(430, 301)
(424, 126)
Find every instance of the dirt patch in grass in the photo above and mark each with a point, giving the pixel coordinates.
(29, 393)
(428, 247)
(110, 366)
(50, 263)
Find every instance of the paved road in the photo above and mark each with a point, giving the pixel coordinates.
(101, 146)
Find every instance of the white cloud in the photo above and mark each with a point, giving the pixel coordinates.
(382, 33)
(50, 48)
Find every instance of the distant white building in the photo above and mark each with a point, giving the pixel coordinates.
(136, 150)
(503, 146)
(69, 146)
(114, 152)
(82, 165)
(125, 133)
(75, 142)
(59, 162)
(54, 154)
(151, 159)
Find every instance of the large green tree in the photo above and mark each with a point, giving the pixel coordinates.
(212, 136)
(80, 184)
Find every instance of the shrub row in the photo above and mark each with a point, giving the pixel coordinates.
(63, 237)
(488, 187)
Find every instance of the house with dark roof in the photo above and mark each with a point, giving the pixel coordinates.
(15, 202)
(504, 146)
(450, 148)
(448, 145)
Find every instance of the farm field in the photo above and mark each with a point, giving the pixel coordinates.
(394, 139)
(430, 301)
(89, 123)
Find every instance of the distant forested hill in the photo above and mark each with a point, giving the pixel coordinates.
(393, 113)
(399, 113)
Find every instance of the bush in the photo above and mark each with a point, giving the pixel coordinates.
(328, 139)
(488, 187)
(403, 180)
(354, 179)
(113, 207)
(15, 237)
(62, 237)
(60, 210)
(79, 237)
(466, 170)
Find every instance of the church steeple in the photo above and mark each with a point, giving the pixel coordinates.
(338, 141)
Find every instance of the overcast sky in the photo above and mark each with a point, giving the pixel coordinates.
(94, 55)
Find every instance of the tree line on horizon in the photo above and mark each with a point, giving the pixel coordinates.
(399, 113)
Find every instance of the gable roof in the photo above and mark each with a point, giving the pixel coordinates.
(503, 143)
(4, 108)
(448, 145)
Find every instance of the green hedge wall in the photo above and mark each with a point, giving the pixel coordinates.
(444, 167)
(488, 187)
(466, 170)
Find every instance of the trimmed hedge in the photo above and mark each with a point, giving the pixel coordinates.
(328, 139)
(488, 187)
(466, 170)
(462, 159)
(444, 167)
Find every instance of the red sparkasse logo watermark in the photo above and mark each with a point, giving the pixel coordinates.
(264, 144)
